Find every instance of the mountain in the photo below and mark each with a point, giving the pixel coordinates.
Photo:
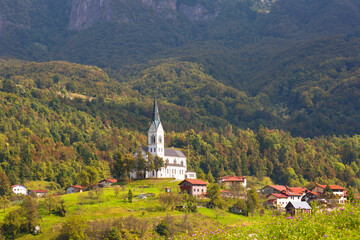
(280, 64)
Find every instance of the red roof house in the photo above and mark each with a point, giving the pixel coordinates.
(195, 187)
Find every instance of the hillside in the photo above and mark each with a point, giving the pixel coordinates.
(47, 135)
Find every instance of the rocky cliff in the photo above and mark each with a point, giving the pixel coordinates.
(2, 24)
(85, 13)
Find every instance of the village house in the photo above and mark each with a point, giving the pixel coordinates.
(230, 181)
(311, 196)
(74, 189)
(175, 160)
(294, 207)
(338, 191)
(194, 187)
(106, 182)
(272, 189)
(19, 189)
(280, 196)
(38, 193)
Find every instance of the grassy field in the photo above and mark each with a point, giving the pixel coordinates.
(205, 224)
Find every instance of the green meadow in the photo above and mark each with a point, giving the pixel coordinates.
(343, 223)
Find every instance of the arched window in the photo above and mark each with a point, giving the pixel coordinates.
(174, 161)
(160, 139)
(182, 163)
(153, 139)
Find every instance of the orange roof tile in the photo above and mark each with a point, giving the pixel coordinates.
(195, 182)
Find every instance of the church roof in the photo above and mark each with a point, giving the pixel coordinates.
(170, 152)
(156, 116)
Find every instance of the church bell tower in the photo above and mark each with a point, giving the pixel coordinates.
(156, 134)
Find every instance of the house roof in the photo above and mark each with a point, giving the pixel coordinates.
(277, 187)
(231, 176)
(39, 191)
(194, 182)
(278, 195)
(18, 185)
(234, 179)
(333, 187)
(110, 180)
(299, 205)
(298, 189)
(76, 186)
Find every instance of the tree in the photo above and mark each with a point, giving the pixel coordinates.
(140, 165)
(328, 192)
(30, 211)
(130, 196)
(4, 202)
(158, 164)
(12, 223)
(210, 177)
(74, 228)
(123, 164)
(150, 166)
(49, 203)
(351, 196)
(116, 190)
(252, 200)
(4, 184)
(213, 192)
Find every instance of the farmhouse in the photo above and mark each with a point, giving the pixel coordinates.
(338, 191)
(295, 207)
(19, 189)
(273, 189)
(74, 189)
(280, 199)
(106, 182)
(38, 193)
(175, 160)
(195, 187)
(230, 181)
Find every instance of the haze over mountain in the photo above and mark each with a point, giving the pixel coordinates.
(284, 64)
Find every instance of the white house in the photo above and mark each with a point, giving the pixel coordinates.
(282, 198)
(176, 165)
(229, 181)
(19, 189)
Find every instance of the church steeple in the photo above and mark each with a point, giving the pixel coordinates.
(156, 115)
(156, 133)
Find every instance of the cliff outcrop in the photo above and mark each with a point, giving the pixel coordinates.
(85, 13)
(2, 24)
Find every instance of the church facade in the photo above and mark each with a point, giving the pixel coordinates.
(175, 160)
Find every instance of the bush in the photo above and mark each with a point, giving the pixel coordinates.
(163, 229)
(74, 228)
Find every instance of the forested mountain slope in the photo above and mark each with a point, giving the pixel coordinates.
(58, 117)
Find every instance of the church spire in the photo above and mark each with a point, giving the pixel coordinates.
(156, 115)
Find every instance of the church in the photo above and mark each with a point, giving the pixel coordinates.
(175, 160)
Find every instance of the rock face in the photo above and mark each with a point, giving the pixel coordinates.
(2, 24)
(85, 13)
(172, 8)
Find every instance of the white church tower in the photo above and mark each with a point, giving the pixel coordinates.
(176, 165)
(156, 134)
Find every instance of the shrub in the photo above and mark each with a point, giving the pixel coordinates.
(163, 229)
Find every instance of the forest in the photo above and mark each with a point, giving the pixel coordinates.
(60, 121)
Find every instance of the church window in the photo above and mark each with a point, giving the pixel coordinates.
(174, 161)
(153, 139)
(160, 139)
(150, 149)
(182, 163)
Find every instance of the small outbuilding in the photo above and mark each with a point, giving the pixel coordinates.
(38, 193)
(294, 207)
(74, 189)
(107, 182)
